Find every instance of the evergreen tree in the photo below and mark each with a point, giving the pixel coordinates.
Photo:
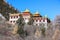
(42, 29)
(21, 23)
(31, 21)
(5, 9)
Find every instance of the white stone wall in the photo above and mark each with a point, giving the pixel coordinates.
(26, 19)
(14, 18)
(38, 23)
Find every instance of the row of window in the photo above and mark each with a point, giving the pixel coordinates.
(40, 20)
(14, 17)
(40, 24)
(36, 21)
(12, 21)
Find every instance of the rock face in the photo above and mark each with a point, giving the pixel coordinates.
(56, 35)
(38, 33)
(5, 28)
(13, 37)
(57, 22)
(5, 31)
(14, 31)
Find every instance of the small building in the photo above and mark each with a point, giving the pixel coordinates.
(26, 15)
(38, 20)
(13, 18)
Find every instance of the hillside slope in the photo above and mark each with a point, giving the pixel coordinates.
(5, 9)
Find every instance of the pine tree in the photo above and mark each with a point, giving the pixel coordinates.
(5, 9)
(21, 23)
(42, 29)
(31, 21)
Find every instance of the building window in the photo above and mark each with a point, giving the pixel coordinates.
(16, 16)
(11, 17)
(39, 20)
(36, 24)
(43, 20)
(11, 21)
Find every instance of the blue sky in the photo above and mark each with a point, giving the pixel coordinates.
(45, 7)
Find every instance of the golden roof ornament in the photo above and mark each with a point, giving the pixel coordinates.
(36, 14)
(46, 16)
(27, 10)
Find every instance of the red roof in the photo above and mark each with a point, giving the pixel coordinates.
(25, 13)
(39, 18)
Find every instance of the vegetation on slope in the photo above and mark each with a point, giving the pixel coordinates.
(5, 9)
(21, 23)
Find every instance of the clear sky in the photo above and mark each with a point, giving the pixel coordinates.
(45, 7)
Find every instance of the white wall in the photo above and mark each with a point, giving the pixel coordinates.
(38, 23)
(26, 19)
(13, 19)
